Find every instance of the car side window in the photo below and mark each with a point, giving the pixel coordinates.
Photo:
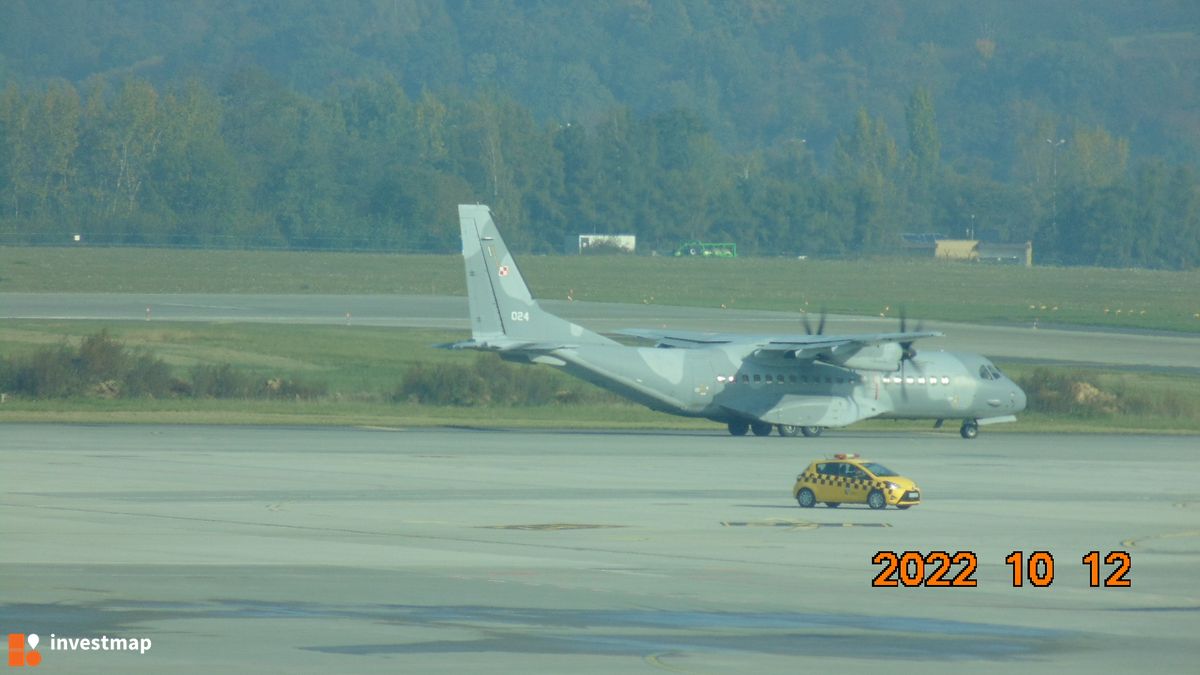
(855, 473)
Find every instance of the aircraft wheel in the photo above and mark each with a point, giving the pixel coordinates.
(806, 498)
(811, 432)
(788, 430)
(876, 500)
(833, 505)
(760, 428)
(738, 428)
(970, 429)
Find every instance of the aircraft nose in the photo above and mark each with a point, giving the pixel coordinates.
(1018, 398)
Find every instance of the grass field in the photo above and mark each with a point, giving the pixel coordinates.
(363, 367)
(945, 291)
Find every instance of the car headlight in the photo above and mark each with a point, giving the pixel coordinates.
(891, 486)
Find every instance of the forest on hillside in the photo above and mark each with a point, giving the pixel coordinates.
(823, 129)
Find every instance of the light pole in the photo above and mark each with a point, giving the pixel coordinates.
(1054, 146)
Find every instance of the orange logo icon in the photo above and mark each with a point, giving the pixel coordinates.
(17, 655)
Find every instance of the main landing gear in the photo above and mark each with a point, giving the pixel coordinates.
(741, 428)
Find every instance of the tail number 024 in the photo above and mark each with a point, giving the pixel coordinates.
(520, 316)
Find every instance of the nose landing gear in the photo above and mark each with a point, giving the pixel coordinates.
(969, 429)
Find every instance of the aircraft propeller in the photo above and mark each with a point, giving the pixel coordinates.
(908, 353)
(820, 325)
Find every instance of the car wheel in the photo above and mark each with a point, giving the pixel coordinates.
(876, 500)
(970, 429)
(811, 432)
(806, 498)
(760, 428)
(788, 430)
(738, 428)
(833, 505)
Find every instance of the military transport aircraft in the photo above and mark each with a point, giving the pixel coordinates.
(795, 383)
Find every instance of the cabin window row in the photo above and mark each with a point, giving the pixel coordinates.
(785, 379)
(769, 378)
(914, 380)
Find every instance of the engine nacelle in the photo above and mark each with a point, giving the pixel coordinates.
(882, 357)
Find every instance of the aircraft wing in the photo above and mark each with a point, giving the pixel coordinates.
(863, 339)
(682, 338)
(868, 351)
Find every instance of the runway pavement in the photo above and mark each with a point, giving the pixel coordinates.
(357, 550)
(1173, 352)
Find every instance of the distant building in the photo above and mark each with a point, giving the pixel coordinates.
(608, 243)
(956, 249)
(929, 244)
(1011, 254)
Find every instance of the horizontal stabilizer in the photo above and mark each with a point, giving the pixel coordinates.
(503, 344)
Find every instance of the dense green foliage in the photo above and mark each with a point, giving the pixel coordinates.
(103, 367)
(771, 124)
(100, 366)
(1097, 394)
(491, 382)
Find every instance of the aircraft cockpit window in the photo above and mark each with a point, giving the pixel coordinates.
(996, 374)
(984, 373)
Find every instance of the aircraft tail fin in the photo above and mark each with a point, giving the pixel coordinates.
(503, 313)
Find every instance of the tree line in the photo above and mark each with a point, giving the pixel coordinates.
(252, 162)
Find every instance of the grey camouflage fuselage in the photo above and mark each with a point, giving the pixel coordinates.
(799, 381)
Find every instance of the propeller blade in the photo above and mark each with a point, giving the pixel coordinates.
(909, 352)
(808, 329)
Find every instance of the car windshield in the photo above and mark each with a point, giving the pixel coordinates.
(879, 469)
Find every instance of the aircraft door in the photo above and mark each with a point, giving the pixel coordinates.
(857, 484)
(827, 487)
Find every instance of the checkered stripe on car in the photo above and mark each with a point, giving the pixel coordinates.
(839, 481)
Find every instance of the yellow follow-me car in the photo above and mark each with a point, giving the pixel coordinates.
(848, 479)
